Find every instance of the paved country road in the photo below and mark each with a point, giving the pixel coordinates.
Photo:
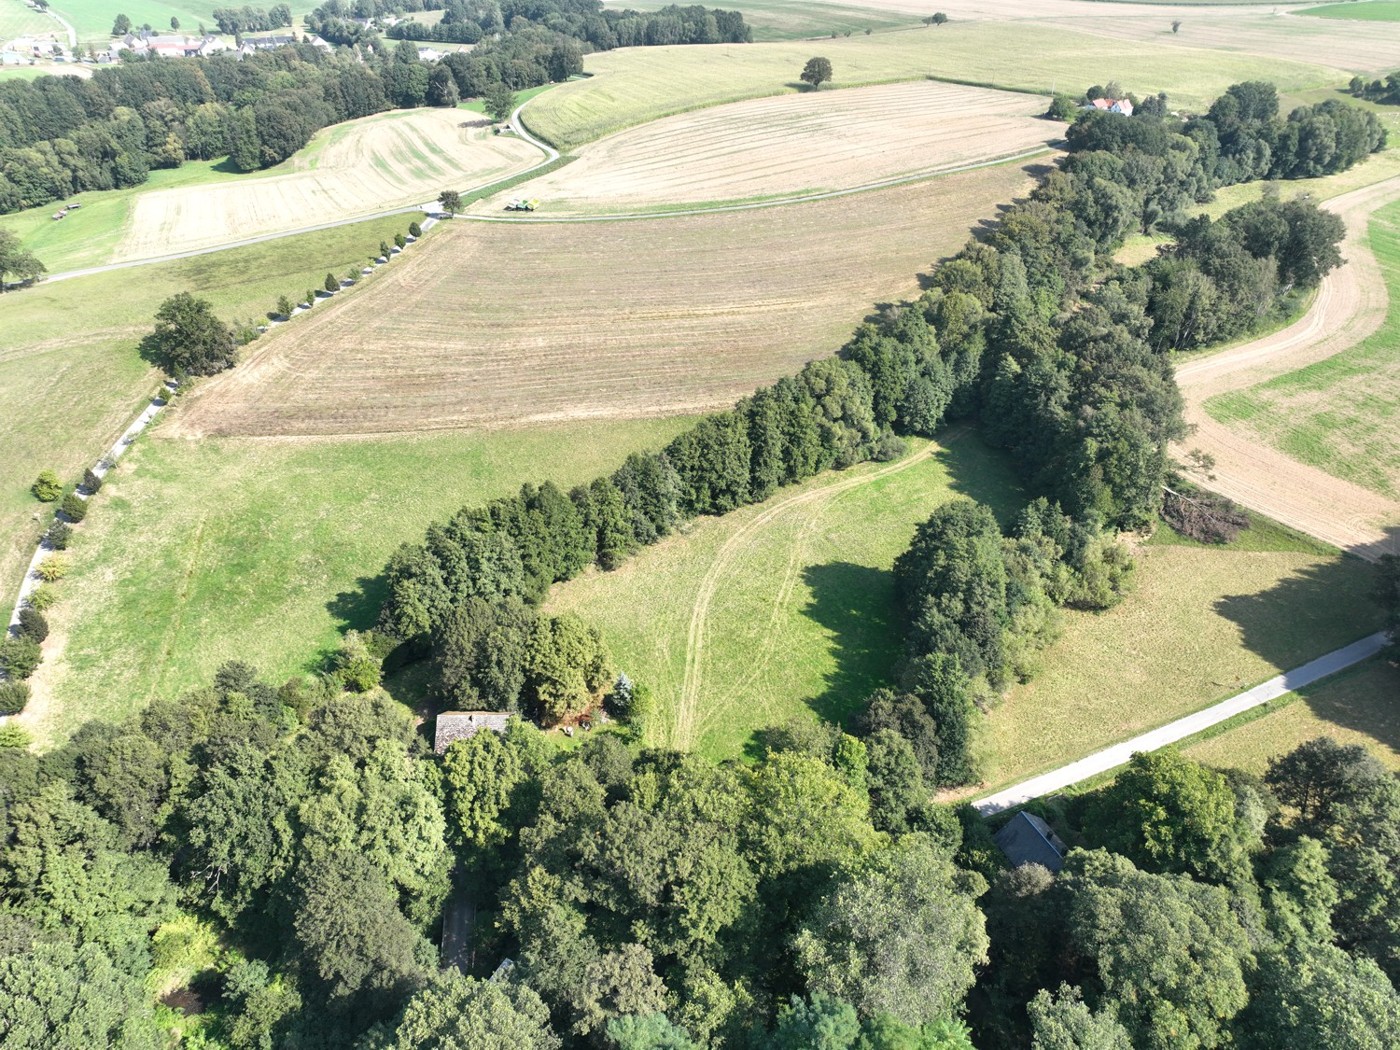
(1117, 755)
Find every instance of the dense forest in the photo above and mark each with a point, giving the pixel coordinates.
(272, 864)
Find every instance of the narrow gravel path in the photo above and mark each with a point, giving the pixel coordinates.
(1117, 755)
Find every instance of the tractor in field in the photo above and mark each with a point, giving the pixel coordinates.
(521, 204)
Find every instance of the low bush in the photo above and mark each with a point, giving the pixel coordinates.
(400, 240)
(414, 230)
(285, 306)
(58, 535)
(46, 487)
(74, 506)
(54, 568)
(13, 736)
(13, 697)
(32, 624)
(19, 656)
(91, 482)
(332, 283)
(384, 249)
(43, 597)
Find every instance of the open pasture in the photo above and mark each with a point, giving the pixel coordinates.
(1202, 625)
(792, 144)
(507, 323)
(197, 553)
(1338, 414)
(18, 19)
(70, 375)
(360, 167)
(632, 86)
(1369, 11)
(1355, 707)
(93, 18)
(783, 609)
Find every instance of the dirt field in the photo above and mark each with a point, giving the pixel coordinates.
(796, 143)
(494, 324)
(357, 168)
(1350, 305)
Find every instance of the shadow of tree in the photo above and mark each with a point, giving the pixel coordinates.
(980, 472)
(358, 609)
(856, 604)
(1363, 699)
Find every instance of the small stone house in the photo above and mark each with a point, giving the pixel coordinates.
(459, 725)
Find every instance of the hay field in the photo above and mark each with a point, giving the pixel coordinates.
(70, 375)
(508, 323)
(357, 168)
(632, 86)
(779, 610)
(1202, 625)
(1339, 414)
(197, 553)
(1355, 707)
(18, 20)
(1372, 11)
(792, 144)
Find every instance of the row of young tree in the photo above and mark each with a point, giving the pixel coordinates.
(283, 859)
(1386, 92)
(238, 20)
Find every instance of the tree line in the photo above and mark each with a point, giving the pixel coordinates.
(238, 20)
(1385, 91)
(595, 27)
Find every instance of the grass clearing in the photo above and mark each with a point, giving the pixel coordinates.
(632, 86)
(201, 552)
(1202, 625)
(1338, 414)
(496, 323)
(1354, 707)
(70, 375)
(1369, 11)
(791, 144)
(783, 609)
(93, 18)
(17, 19)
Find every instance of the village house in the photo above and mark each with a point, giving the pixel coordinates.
(1112, 105)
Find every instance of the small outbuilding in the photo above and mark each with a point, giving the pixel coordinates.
(459, 725)
(1028, 840)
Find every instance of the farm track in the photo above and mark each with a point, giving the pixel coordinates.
(1351, 304)
(689, 722)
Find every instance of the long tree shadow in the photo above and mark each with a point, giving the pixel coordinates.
(980, 472)
(856, 604)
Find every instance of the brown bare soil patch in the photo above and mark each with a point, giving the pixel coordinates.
(791, 144)
(490, 324)
(365, 166)
(1350, 305)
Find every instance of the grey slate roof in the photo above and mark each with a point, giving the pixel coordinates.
(458, 725)
(1028, 840)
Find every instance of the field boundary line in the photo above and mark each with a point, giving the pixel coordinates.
(1173, 732)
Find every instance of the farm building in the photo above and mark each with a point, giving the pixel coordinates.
(1029, 840)
(1112, 105)
(459, 725)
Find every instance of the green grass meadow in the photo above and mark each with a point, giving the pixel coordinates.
(71, 378)
(196, 553)
(1362, 11)
(803, 19)
(93, 18)
(1356, 706)
(799, 621)
(1203, 624)
(18, 20)
(1340, 414)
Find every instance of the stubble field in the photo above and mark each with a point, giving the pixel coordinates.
(368, 165)
(795, 144)
(539, 322)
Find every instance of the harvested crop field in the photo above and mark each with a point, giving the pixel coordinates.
(357, 168)
(791, 144)
(498, 323)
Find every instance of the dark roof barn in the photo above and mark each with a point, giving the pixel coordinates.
(1028, 840)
